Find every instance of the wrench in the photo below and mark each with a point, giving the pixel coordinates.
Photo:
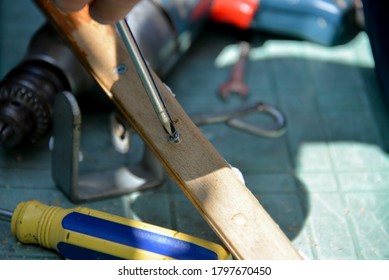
(236, 83)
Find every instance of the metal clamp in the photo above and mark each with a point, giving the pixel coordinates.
(233, 118)
(85, 186)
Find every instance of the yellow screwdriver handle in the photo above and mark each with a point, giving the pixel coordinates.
(82, 233)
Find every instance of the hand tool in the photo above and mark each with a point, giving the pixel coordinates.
(233, 118)
(147, 80)
(82, 233)
(236, 82)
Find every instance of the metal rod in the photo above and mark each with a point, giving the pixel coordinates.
(147, 79)
(5, 215)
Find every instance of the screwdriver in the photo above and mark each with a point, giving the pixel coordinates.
(85, 234)
(147, 80)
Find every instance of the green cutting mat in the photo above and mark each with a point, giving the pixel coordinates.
(326, 182)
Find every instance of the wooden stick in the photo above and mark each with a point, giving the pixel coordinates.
(211, 185)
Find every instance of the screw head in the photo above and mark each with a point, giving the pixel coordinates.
(121, 69)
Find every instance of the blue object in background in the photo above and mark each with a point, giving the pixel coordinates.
(326, 22)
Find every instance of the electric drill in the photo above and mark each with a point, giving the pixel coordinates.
(163, 29)
(27, 92)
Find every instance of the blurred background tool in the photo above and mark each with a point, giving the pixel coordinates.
(236, 83)
(82, 233)
(235, 118)
(326, 22)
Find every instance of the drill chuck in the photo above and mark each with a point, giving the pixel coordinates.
(28, 91)
(26, 98)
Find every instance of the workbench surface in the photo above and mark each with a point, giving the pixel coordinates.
(325, 182)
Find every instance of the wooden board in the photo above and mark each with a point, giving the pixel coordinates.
(212, 186)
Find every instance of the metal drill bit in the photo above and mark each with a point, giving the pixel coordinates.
(147, 79)
(5, 215)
